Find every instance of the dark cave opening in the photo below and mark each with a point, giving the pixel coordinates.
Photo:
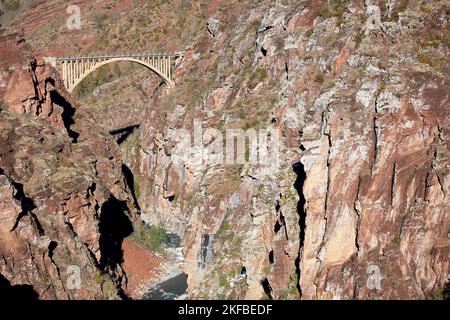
(129, 178)
(67, 115)
(16, 292)
(267, 288)
(114, 226)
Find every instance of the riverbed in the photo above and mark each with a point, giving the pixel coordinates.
(170, 289)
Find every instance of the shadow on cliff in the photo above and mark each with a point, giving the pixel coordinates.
(123, 133)
(114, 227)
(129, 178)
(27, 205)
(299, 170)
(20, 291)
(67, 115)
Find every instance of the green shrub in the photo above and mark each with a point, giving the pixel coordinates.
(137, 191)
(319, 79)
(397, 240)
(279, 43)
(334, 8)
(255, 24)
(11, 5)
(224, 228)
(434, 62)
(259, 75)
(425, 9)
(223, 281)
(294, 282)
(446, 40)
(402, 6)
(152, 237)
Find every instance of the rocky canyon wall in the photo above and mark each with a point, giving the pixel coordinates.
(357, 207)
(64, 200)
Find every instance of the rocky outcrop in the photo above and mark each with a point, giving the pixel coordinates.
(357, 207)
(61, 190)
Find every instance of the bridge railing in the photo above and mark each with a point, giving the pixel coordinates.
(124, 55)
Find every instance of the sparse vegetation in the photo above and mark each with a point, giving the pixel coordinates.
(225, 226)
(279, 43)
(152, 237)
(434, 62)
(425, 9)
(358, 39)
(334, 8)
(266, 269)
(102, 75)
(65, 161)
(259, 75)
(397, 240)
(11, 5)
(442, 293)
(398, 8)
(293, 285)
(255, 24)
(319, 79)
(223, 281)
(136, 189)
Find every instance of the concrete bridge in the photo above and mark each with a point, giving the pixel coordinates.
(75, 69)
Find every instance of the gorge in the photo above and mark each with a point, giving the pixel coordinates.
(98, 200)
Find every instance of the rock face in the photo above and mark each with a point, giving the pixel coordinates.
(61, 186)
(357, 207)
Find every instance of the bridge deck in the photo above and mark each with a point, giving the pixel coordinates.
(120, 55)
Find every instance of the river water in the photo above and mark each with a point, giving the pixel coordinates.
(169, 289)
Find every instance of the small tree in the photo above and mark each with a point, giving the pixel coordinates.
(157, 237)
(153, 237)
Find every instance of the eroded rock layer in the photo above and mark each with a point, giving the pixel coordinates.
(359, 90)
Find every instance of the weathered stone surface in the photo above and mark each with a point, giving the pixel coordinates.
(362, 110)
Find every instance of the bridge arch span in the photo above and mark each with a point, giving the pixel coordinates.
(168, 81)
(75, 69)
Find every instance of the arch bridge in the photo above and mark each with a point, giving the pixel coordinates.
(75, 69)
